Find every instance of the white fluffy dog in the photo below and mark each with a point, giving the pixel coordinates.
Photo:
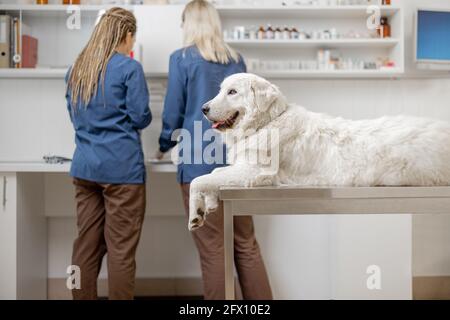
(315, 149)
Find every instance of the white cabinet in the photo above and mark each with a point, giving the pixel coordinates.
(159, 34)
(8, 243)
(23, 237)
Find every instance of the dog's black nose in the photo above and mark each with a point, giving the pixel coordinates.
(205, 109)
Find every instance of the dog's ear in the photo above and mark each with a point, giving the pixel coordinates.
(264, 93)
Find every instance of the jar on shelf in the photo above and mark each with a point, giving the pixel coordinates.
(71, 1)
(41, 1)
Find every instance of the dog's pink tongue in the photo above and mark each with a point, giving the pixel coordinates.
(217, 124)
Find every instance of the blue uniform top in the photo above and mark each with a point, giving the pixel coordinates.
(107, 130)
(193, 81)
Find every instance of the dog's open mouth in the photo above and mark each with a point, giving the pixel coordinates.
(227, 124)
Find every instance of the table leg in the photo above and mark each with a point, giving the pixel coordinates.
(229, 250)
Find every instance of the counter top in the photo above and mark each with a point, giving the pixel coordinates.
(40, 166)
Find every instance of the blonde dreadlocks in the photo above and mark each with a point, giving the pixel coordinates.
(108, 34)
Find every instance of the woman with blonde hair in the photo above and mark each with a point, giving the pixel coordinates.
(108, 101)
(195, 74)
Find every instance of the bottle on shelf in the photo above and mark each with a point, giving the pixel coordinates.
(253, 33)
(294, 33)
(71, 1)
(270, 33)
(384, 31)
(386, 2)
(41, 1)
(261, 33)
(278, 34)
(286, 33)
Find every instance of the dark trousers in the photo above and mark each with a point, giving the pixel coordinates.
(109, 220)
(250, 267)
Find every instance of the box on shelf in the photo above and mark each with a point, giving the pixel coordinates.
(29, 51)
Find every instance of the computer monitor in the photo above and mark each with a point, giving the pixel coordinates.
(432, 41)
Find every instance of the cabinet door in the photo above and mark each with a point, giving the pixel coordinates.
(159, 34)
(8, 239)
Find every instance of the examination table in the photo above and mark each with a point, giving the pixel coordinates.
(324, 201)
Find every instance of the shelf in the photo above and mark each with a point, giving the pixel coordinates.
(39, 73)
(291, 74)
(394, 73)
(274, 12)
(325, 74)
(314, 43)
(57, 10)
(51, 73)
(225, 11)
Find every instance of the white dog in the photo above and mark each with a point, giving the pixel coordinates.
(314, 149)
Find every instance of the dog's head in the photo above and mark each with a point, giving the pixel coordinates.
(244, 101)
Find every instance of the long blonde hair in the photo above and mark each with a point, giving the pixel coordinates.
(108, 34)
(202, 28)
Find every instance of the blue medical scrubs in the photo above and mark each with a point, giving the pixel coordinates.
(107, 129)
(193, 81)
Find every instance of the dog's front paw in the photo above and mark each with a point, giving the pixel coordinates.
(196, 211)
(201, 203)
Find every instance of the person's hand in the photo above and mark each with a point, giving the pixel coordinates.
(159, 155)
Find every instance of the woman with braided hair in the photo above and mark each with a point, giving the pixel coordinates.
(108, 102)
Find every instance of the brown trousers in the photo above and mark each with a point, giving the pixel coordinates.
(250, 267)
(109, 220)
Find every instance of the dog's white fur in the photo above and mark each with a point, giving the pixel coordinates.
(319, 150)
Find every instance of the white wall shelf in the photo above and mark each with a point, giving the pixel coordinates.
(322, 74)
(350, 11)
(60, 74)
(339, 43)
(38, 73)
(273, 12)
(51, 73)
(300, 74)
(54, 10)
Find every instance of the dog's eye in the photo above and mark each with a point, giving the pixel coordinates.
(232, 92)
